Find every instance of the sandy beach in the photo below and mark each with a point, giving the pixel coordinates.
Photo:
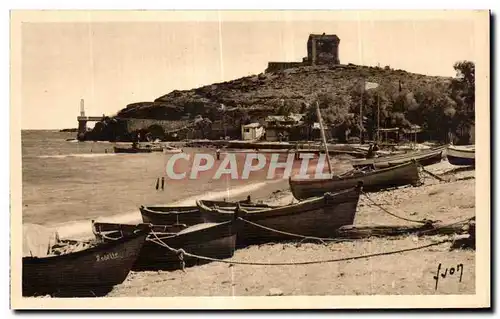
(401, 273)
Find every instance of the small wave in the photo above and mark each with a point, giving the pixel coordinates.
(77, 155)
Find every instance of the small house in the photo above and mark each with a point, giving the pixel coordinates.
(281, 127)
(252, 131)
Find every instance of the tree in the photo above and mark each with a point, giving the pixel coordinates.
(464, 85)
(463, 94)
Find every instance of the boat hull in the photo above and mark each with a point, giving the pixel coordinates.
(461, 156)
(100, 267)
(183, 215)
(424, 158)
(218, 241)
(405, 174)
(136, 150)
(169, 215)
(318, 217)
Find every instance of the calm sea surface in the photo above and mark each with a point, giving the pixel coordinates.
(67, 182)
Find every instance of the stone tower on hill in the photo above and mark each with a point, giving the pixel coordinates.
(321, 49)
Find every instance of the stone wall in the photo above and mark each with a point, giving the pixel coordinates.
(279, 66)
(143, 124)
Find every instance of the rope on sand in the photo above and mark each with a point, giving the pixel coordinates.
(432, 174)
(182, 252)
(423, 221)
(320, 239)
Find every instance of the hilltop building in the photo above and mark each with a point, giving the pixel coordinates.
(321, 49)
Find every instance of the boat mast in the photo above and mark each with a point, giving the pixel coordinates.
(361, 114)
(323, 138)
(378, 117)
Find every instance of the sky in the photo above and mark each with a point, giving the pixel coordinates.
(112, 64)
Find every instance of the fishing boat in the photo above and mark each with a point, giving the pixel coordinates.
(461, 155)
(377, 179)
(315, 217)
(101, 266)
(135, 148)
(171, 150)
(213, 240)
(424, 158)
(169, 215)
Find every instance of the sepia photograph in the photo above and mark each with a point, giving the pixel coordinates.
(262, 159)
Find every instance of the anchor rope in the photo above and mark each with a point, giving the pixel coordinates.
(321, 239)
(181, 252)
(423, 221)
(432, 174)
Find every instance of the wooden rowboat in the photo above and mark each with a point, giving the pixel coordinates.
(171, 150)
(139, 149)
(214, 240)
(316, 217)
(169, 215)
(93, 269)
(424, 158)
(461, 155)
(404, 174)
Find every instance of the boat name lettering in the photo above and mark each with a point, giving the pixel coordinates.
(108, 256)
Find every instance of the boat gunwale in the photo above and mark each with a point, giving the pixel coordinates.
(285, 209)
(347, 178)
(87, 251)
(165, 235)
(417, 155)
(150, 209)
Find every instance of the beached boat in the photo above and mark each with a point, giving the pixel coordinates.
(171, 150)
(404, 174)
(169, 215)
(315, 217)
(148, 148)
(461, 155)
(214, 240)
(424, 158)
(99, 267)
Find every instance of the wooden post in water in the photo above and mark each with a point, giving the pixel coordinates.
(324, 138)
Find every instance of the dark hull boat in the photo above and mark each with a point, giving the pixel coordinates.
(461, 155)
(138, 149)
(405, 174)
(424, 158)
(214, 240)
(169, 215)
(316, 217)
(83, 272)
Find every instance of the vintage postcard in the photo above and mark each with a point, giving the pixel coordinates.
(250, 159)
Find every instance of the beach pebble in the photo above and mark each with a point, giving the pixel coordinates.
(275, 292)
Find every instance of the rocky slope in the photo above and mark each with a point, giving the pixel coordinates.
(262, 94)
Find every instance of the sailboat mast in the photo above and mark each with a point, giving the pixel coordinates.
(324, 138)
(361, 114)
(378, 117)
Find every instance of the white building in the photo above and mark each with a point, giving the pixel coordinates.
(252, 131)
